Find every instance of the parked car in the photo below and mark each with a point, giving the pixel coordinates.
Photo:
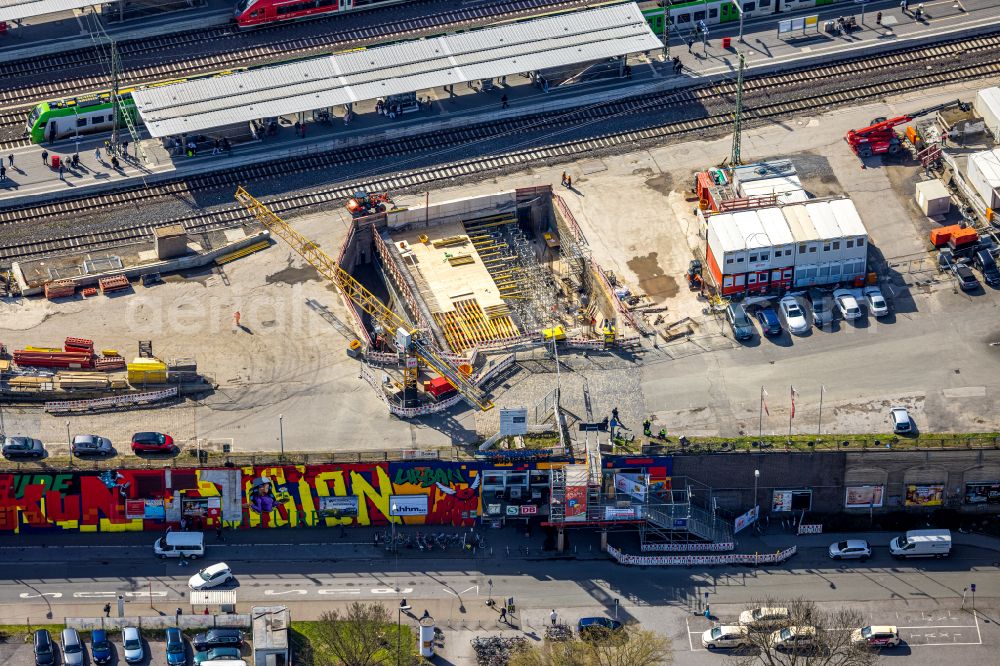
(768, 320)
(852, 549)
(212, 576)
(987, 265)
(20, 446)
(794, 639)
(72, 647)
(764, 618)
(100, 647)
(821, 304)
(900, 419)
(795, 318)
(738, 320)
(726, 636)
(132, 642)
(92, 445)
(967, 280)
(152, 442)
(215, 638)
(597, 628)
(846, 303)
(176, 651)
(876, 302)
(876, 636)
(217, 654)
(45, 653)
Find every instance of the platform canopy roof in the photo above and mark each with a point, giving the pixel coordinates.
(11, 10)
(341, 78)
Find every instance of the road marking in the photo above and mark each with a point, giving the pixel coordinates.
(29, 595)
(390, 590)
(278, 593)
(144, 594)
(339, 591)
(469, 589)
(941, 626)
(687, 623)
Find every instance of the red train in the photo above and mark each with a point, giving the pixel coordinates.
(253, 13)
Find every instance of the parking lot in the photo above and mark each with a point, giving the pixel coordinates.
(17, 651)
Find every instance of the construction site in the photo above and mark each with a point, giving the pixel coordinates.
(443, 295)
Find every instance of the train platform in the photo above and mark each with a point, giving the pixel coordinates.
(76, 29)
(30, 179)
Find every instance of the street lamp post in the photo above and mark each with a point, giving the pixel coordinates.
(756, 475)
(281, 433)
(403, 606)
(489, 601)
(69, 440)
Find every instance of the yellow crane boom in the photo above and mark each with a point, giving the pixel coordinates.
(367, 301)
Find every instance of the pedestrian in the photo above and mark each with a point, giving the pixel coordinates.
(236, 319)
(76, 159)
(3, 172)
(628, 72)
(115, 164)
(62, 171)
(878, 19)
(97, 155)
(553, 616)
(569, 182)
(45, 157)
(206, 610)
(303, 130)
(10, 159)
(690, 43)
(503, 102)
(107, 610)
(920, 11)
(680, 67)
(226, 146)
(564, 179)
(124, 148)
(52, 133)
(298, 125)
(218, 532)
(503, 614)
(178, 613)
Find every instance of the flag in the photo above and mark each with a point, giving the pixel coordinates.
(763, 400)
(793, 403)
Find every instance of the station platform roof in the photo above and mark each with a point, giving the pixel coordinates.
(367, 74)
(11, 10)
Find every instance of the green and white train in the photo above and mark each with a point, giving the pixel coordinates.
(685, 14)
(87, 114)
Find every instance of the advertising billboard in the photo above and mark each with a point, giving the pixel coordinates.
(863, 497)
(791, 500)
(925, 495)
(338, 507)
(746, 519)
(982, 493)
(613, 513)
(633, 485)
(408, 505)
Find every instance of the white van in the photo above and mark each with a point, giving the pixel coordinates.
(180, 544)
(922, 543)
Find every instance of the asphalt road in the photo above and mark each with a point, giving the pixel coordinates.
(923, 598)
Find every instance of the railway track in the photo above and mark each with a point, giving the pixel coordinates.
(695, 100)
(228, 49)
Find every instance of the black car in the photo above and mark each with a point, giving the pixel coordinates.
(769, 322)
(988, 266)
(214, 638)
(45, 651)
(966, 278)
(738, 320)
(22, 447)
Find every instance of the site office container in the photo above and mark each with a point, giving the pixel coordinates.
(987, 107)
(983, 173)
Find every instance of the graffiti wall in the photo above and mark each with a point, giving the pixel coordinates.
(435, 493)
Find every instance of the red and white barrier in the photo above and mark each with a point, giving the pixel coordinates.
(776, 557)
(810, 529)
(113, 402)
(687, 547)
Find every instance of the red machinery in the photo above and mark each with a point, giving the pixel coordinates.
(880, 137)
(363, 203)
(253, 13)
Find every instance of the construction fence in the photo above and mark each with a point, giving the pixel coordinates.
(752, 559)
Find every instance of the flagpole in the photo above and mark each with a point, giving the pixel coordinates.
(791, 413)
(760, 432)
(819, 428)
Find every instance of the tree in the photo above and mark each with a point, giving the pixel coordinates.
(832, 646)
(363, 635)
(629, 646)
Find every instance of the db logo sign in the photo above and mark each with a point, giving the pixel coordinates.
(528, 509)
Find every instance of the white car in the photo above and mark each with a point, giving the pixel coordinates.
(876, 302)
(795, 318)
(132, 642)
(900, 419)
(846, 303)
(852, 549)
(726, 636)
(212, 576)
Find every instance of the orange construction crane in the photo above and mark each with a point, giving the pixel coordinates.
(407, 339)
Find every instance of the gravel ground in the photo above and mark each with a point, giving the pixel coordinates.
(202, 201)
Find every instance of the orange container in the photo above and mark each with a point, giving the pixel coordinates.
(963, 237)
(941, 236)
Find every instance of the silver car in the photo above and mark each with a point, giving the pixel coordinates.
(72, 648)
(20, 446)
(132, 642)
(795, 318)
(92, 445)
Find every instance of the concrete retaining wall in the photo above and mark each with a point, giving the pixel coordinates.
(194, 622)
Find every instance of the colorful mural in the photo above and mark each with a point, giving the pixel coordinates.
(258, 497)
